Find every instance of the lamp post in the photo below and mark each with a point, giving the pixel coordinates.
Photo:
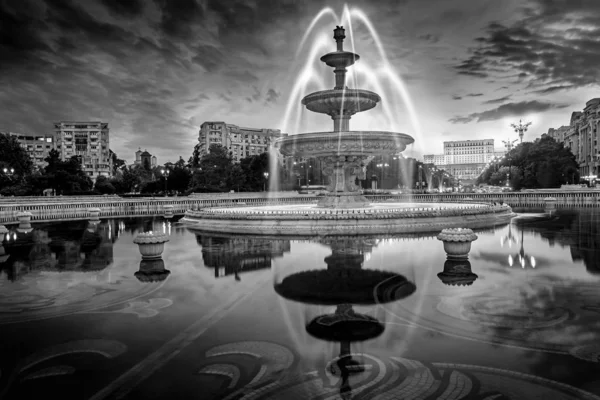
(266, 175)
(521, 129)
(382, 166)
(420, 177)
(165, 173)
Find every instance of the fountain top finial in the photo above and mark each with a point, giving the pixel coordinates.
(339, 34)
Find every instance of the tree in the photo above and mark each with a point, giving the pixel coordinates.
(544, 163)
(117, 163)
(253, 168)
(104, 186)
(135, 177)
(213, 170)
(66, 176)
(13, 156)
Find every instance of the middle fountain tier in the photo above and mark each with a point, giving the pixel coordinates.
(344, 154)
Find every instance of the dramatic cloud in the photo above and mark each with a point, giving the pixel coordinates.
(555, 46)
(497, 101)
(272, 96)
(155, 70)
(507, 110)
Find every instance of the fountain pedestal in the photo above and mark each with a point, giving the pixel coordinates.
(342, 172)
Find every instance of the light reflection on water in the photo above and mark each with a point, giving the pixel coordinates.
(543, 303)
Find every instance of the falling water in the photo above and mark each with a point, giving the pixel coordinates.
(384, 80)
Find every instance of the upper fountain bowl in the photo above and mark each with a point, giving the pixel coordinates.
(333, 101)
(340, 59)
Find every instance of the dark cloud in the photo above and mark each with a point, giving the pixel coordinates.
(497, 101)
(553, 89)
(178, 16)
(22, 29)
(555, 45)
(474, 94)
(430, 37)
(124, 8)
(209, 57)
(456, 97)
(507, 110)
(272, 96)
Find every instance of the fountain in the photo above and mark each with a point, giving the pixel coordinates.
(344, 156)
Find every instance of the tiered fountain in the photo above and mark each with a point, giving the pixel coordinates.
(344, 155)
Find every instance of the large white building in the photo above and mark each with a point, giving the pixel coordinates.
(87, 140)
(37, 146)
(242, 142)
(464, 159)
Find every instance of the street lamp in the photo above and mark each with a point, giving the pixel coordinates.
(8, 171)
(266, 175)
(521, 129)
(382, 166)
(420, 177)
(165, 173)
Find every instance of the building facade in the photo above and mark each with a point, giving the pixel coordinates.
(144, 158)
(241, 142)
(464, 159)
(37, 146)
(581, 137)
(89, 141)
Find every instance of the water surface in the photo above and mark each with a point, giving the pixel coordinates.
(341, 317)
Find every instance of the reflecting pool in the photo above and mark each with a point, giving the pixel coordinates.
(252, 317)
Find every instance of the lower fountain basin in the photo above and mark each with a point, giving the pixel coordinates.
(380, 218)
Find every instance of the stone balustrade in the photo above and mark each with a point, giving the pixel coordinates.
(67, 208)
(419, 212)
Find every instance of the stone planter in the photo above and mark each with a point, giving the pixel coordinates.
(457, 242)
(151, 244)
(457, 273)
(550, 203)
(94, 213)
(168, 210)
(24, 219)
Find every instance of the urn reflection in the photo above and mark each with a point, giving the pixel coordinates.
(457, 273)
(152, 270)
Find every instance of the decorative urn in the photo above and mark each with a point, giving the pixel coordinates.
(457, 242)
(24, 218)
(550, 203)
(168, 210)
(151, 244)
(94, 213)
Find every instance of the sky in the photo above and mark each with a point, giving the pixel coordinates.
(155, 70)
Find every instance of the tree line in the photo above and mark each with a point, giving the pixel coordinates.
(543, 163)
(213, 172)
